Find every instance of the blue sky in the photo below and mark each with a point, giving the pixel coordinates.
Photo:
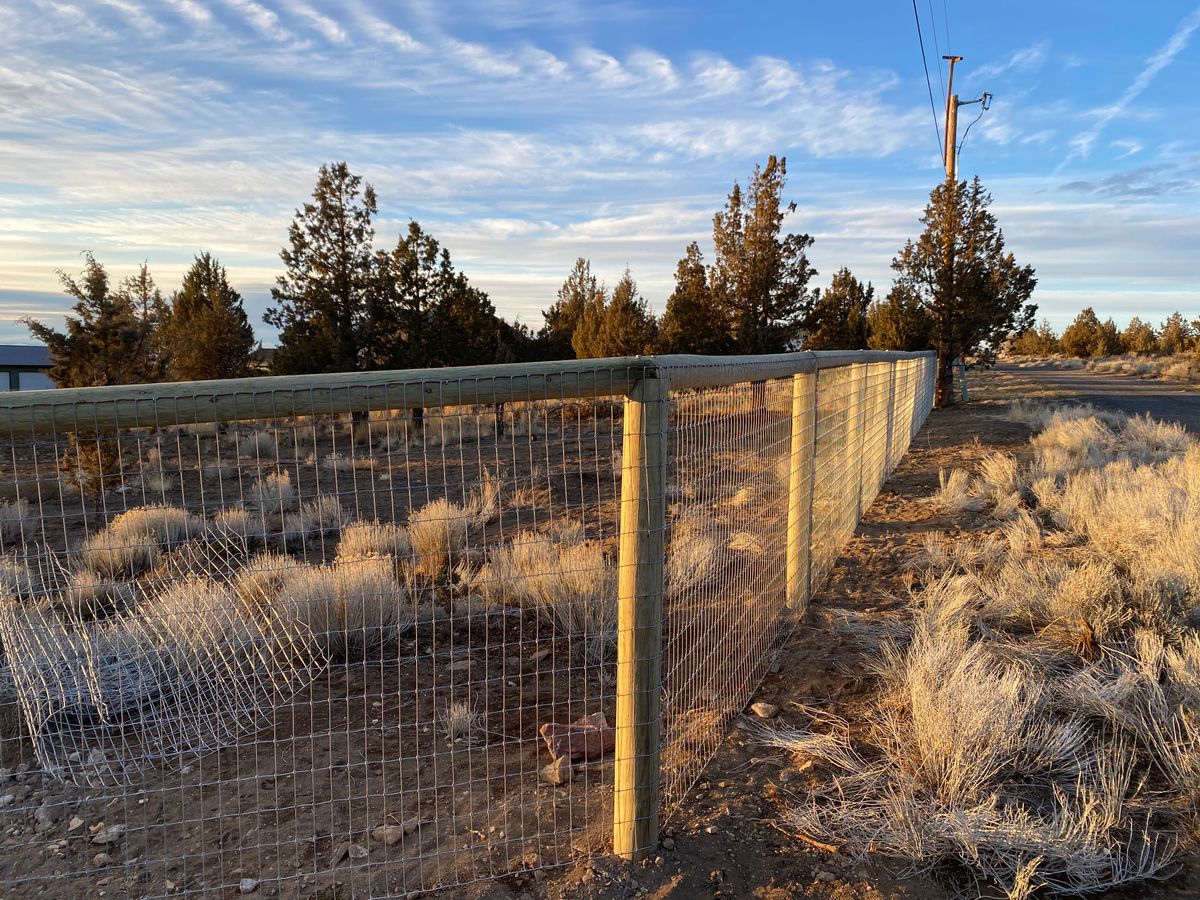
(525, 134)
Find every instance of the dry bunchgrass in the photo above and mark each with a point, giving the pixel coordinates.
(272, 494)
(134, 540)
(955, 493)
(353, 608)
(238, 523)
(1038, 721)
(320, 516)
(16, 520)
(461, 722)
(694, 553)
(438, 532)
(366, 540)
(568, 580)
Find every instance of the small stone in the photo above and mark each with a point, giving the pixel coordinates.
(558, 772)
(247, 885)
(340, 852)
(668, 843)
(540, 657)
(764, 710)
(358, 851)
(775, 667)
(391, 835)
(8, 800)
(712, 829)
(100, 860)
(110, 835)
(75, 823)
(826, 876)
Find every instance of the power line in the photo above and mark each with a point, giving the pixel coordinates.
(937, 50)
(929, 85)
(946, 21)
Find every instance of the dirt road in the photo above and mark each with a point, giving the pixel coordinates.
(1165, 400)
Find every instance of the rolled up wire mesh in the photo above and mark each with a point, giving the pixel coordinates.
(359, 634)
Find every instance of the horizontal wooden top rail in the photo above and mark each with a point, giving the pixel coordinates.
(233, 399)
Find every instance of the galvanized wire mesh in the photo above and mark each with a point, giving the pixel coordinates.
(374, 653)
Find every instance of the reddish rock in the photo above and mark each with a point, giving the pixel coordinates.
(589, 737)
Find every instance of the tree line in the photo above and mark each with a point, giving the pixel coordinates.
(344, 304)
(1088, 337)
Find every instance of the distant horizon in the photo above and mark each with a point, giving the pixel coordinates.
(525, 136)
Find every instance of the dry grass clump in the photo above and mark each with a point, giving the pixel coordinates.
(567, 579)
(257, 583)
(694, 553)
(1038, 722)
(319, 516)
(461, 721)
(335, 462)
(238, 523)
(365, 540)
(16, 521)
(257, 445)
(16, 580)
(133, 541)
(955, 493)
(272, 494)
(352, 608)
(438, 532)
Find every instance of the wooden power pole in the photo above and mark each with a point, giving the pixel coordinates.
(951, 149)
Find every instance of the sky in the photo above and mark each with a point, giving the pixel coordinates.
(526, 133)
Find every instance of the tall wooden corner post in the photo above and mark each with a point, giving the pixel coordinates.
(639, 619)
(800, 490)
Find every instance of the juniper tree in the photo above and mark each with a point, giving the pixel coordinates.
(1139, 337)
(1080, 338)
(760, 275)
(205, 329)
(620, 326)
(1176, 335)
(973, 291)
(108, 339)
(898, 322)
(838, 318)
(320, 299)
(1038, 340)
(693, 322)
(578, 291)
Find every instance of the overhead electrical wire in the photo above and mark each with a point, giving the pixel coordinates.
(937, 50)
(929, 85)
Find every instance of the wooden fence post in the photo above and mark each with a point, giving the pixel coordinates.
(639, 619)
(800, 490)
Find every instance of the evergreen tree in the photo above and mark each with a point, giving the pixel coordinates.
(578, 292)
(1081, 337)
(147, 302)
(838, 319)
(108, 341)
(1176, 335)
(628, 328)
(693, 322)
(205, 330)
(898, 322)
(1039, 340)
(1139, 337)
(320, 299)
(1108, 339)
(759, 275)
(421, 312)
(973, 291)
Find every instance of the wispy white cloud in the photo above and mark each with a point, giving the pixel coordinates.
(325, 26)
(263, 20)
(191, 10)
(1082, 143)
(603, 67)
(717, 76)
(1023, 60)
(1127, 146)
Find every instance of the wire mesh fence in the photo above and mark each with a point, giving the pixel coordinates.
(362, 632)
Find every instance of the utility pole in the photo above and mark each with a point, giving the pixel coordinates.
(951, 149)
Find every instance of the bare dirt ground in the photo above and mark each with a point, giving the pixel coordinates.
(728, 838)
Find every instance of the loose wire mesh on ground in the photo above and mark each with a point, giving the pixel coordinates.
(317, 647)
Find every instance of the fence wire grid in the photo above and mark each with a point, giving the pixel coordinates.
(363, 632)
